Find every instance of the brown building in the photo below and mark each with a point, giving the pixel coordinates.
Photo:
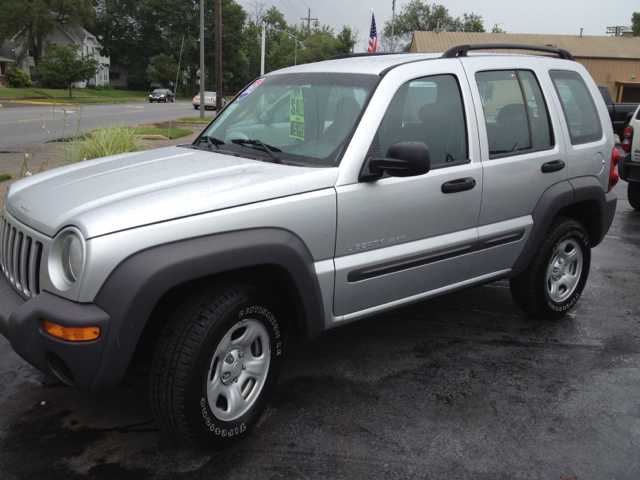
(611, 61)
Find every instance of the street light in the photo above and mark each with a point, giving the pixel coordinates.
(295, 55)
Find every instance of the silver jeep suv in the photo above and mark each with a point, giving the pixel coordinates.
(322, 194)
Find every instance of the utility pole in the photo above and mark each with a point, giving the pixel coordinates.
(202, 74)
(219, 95)
(308, 19)
(264, 27)
(393, 20)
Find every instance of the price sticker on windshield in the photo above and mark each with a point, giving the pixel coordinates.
(296, 117)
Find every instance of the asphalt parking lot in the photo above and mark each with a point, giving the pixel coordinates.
(463, 386)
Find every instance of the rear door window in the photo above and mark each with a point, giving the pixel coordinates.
(579, 109)
(515, 112)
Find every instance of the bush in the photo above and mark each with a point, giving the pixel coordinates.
(112, 140)
(18, 78)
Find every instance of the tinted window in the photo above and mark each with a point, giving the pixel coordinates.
(578, 107)
(513, 125)
(427, 110)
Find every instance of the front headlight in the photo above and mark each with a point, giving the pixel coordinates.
(71, 258)
(67, 259)
(150, 96)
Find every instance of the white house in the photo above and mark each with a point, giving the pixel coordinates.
(64, 35)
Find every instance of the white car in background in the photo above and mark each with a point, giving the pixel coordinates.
(629, 167)
(209, 101)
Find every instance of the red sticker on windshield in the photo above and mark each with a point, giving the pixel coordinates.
(251, 88)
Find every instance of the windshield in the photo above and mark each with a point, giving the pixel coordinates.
(305, 118)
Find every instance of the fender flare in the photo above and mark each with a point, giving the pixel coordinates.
(135, 286)
(559, 196)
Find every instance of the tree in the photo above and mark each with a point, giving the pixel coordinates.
(470, 22)
(163, 69)
(635, 24)
(33, 21)
(63, 65)
(419, 16)
(497, 29)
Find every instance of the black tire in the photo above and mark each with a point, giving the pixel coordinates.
(633, 195)
(196, 107)
(562, 261)
(150, 101)
(188, 361)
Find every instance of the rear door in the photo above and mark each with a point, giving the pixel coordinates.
(522, 148)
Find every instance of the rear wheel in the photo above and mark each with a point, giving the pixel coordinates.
(554, 279)
(196, 107)
(215, 365)
(633, 195)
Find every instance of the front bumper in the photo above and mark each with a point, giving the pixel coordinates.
(629, 171)
(74, 363)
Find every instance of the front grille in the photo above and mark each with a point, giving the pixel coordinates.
(20, 256)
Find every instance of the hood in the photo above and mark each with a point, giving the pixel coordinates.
(130, 190)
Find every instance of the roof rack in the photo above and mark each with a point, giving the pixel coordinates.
(365, 54)
(461, 50)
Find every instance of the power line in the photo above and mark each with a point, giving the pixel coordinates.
(291, 7)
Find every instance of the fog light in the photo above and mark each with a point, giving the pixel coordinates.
(73, 334)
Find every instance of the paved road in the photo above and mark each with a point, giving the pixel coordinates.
(463, 386)
(22, 128)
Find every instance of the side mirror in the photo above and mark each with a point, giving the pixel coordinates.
(404, 159)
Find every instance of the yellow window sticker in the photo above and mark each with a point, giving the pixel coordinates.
(296, 118)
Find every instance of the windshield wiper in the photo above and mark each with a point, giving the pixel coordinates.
(211, 141)
(258, 143)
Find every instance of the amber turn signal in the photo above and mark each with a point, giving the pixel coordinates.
(73, 334)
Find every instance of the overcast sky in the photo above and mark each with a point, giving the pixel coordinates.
(515, 16)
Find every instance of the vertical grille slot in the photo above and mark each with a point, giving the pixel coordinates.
(20, 255)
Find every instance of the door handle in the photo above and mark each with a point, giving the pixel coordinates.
(459, 185)
(554, 166)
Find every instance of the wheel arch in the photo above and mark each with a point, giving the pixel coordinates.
(582, 199)
(144, 285)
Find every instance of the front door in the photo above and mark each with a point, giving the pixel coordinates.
(398, 238)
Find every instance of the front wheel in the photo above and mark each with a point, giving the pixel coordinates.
(215, 365)
(196, 107)
(554, 279)
(633, 195)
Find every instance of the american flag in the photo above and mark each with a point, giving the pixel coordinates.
(373, 36)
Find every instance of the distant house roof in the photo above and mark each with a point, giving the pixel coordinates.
(585, 46)
(79, 34)
(7, 53)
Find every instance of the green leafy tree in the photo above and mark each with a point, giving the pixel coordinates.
(497, 29)
(420, 16)
(162, 69)
(469, 22)
(635, 24)
(63, 65)
(33, 21)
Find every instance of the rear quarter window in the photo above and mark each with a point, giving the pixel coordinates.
(578, 107)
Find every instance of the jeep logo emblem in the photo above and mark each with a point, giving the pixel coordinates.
(26, 207)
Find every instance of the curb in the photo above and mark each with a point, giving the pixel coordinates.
(27, 102)
(152, 137)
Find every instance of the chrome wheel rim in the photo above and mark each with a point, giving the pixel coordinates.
(238, 370)
(564, 270)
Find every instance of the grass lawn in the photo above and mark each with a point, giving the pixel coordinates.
(175, 132)
(196, 119)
